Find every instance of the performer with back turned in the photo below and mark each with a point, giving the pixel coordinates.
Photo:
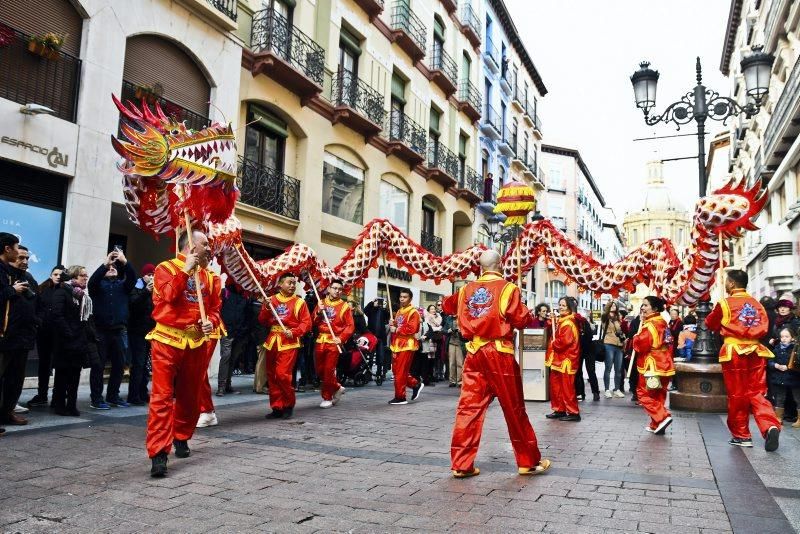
(488, 310)
(742, 321)
(335, 324)
(283, 342)
(181, 347)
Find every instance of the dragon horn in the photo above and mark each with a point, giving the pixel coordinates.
(132, 113)
(162, 117)
(148, 115)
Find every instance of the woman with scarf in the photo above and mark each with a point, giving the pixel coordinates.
(74, 338)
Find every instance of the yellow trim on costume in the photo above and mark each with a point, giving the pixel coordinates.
(653, 333)
(181, 338)
(650, 367)
(501, 345)
(276, 333)
(565, 367)
(726, 312)
(505, 296)
(489, 276)
(742, 347)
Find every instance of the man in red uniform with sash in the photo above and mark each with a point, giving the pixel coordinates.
(282, 345)
(742, 321)
(181, 346)
(404, 328)
(488, 310)
(333, 313)
(563, 358)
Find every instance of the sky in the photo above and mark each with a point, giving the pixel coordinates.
(586, 50)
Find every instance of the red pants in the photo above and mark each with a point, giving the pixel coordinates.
(652, 400)
(280, 367)
(326, 356)
(174, 406)
(206, 404)
(562, 392)
(746, 381)
(488, 374)
(401, 364)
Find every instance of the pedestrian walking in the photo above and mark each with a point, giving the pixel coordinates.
(613, 338)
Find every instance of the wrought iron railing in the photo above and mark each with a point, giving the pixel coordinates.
(470, 18)
(349, 90)
(471, 181)
(782, 112)
(403, 18)
(491, 118)
(508, 138)
(226, 7)
(537, 123)
(138, 94)
(441, 157)
(467, 92)
(268, 189)
(431, 242)
(442, 61)
(29, 78)
(532, 164)
(273, 33)
(491, 50)
(403, 129)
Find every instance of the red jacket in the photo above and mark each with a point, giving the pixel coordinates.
(653, 345)
(742, 321)
(340, 316)
(405, 337)
(564, 350)
(295, 317)
(488, 310)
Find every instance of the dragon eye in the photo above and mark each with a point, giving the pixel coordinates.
(174, 131)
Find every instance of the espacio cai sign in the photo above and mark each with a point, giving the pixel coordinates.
(54, 157)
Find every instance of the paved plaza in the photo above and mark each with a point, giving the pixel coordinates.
(365, 466)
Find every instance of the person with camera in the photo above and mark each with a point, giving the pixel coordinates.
(613, 338)
(110, 287)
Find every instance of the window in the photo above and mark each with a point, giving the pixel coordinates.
(398, 104)
(680, 236)
(484, 164)
(434, 122)
(466, 67)
(265, 139)
(555, 178)
(553, 292)
(438, 40)
(659, 232)
(428, 219)
(349, 50)
(515, 135)
(635, 238)
(556, 206)
(283, 7)
(393, 205)
(503, 119)
(462, 155)
(502, 175)
(342, 189)
(487, 90)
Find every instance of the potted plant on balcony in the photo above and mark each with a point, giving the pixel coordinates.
(47, 45)
(148, 93)
(7, 36)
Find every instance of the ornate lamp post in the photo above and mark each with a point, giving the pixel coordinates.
(699, 105)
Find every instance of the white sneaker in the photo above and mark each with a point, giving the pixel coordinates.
(618, 394)
(325, 404)
(649, 429)
(20, 409)
(338, 395)
(207, 419)
(608, 394)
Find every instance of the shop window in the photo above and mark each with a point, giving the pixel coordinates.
(342, 189)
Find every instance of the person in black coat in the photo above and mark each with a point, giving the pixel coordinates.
(75, 341)
(784, 380)
(140, 322)
(378, 323)
(45, 337)
(235, 310)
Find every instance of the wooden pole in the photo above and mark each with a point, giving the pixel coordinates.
(188, 223)
(325, 315)
(267, 300)
(386, 281)
(720, 275)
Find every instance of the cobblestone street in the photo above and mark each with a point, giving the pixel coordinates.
(365, 466)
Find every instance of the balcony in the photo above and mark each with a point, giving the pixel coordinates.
(490, 123)
(431, 242)
(560, 223)
(529, 170)
(442, 164)
(469, 100)
(505, 145)
(449, 5)
(357, 105)
(506, 78)
(27, 78)
(470, 26)
(530, 114)
(407, 139)
(489, 196)
(519, 159)
(408, 31)
(444, 71)
(134, 93)
(491, 56)
(784, 123)
(537, 126)
(470, 185)
(285, 54)
(268, 189)
(221, 13)
(372, 8)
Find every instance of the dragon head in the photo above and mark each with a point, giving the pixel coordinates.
(730, 209)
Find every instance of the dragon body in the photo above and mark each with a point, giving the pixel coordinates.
(170, 171)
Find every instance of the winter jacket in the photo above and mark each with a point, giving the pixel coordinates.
(45, 304)
(140, 308)
(234, 313)
(790, 321)
(75, 340)
(786, 378)
(377, 320)
(23, 322)
(111, 298)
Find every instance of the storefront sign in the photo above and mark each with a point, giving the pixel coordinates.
(397, 274)
(54, 157)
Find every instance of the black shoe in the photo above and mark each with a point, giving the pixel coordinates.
(230, 391)
(662, 426)
(556, 415)
(596, 397)
(571, 417)
(181, 448)
(741, 442)
(37, 401)
(771, 443)
(159, 468)
(61, 411)
(73, 412)
(275, 414)
(287, 413)
(397, 402)
(2, 430)
(136, 402)
(416, 391)
(451, 385)
(220, 392)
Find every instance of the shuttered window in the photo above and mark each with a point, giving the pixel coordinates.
(154, 61)
(37, 17)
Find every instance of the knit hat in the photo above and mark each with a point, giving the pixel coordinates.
(148, 268)
(785, 303)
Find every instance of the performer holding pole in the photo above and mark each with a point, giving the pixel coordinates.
(287, 318)
(181, 344)
(403, 329)
(742, 321)
(265, 299)
(563, 359)
(386, 281)
(488, 310)
(335, 314)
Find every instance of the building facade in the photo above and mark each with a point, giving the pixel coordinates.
(766, 146)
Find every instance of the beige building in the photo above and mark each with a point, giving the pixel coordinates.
(661, 216)
(766, 146)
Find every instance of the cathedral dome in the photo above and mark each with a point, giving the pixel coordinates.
(657, 196)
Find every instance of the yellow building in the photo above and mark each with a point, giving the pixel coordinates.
(357, 109)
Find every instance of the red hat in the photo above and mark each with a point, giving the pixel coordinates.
(148, 268)
(785, 303)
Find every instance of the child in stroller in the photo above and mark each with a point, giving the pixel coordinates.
(355, 362)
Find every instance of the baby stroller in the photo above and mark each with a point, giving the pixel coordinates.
(355, 364)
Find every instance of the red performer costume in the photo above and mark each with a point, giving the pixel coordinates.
(403, 346)
(326, 354)
(488, 310)
(179, 351)
(282, 350)
(563, 359)
(742, 321)
(653, 347)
